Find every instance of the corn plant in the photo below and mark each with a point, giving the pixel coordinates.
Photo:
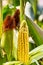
(16, 48)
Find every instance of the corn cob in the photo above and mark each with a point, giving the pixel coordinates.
(23, 47)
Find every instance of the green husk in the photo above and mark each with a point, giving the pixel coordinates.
(15, 42)
(7, 43)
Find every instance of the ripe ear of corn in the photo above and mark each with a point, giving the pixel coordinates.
(23, 46)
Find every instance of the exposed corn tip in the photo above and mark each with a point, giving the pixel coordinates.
(23, 46)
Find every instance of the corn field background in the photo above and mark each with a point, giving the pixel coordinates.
(21, 32)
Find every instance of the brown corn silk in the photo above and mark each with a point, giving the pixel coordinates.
(16, 18)
(11, 22)
(8, 23)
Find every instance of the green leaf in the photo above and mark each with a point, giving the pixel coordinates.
(34, 6)
(36, 50)
(6, 11)
(13, 63)
(36, 57)
(31, 46)
(35, 31)
(36, 54)
(16, 2)
(33, 63)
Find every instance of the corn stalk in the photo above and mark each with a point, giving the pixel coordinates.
(22, 6)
